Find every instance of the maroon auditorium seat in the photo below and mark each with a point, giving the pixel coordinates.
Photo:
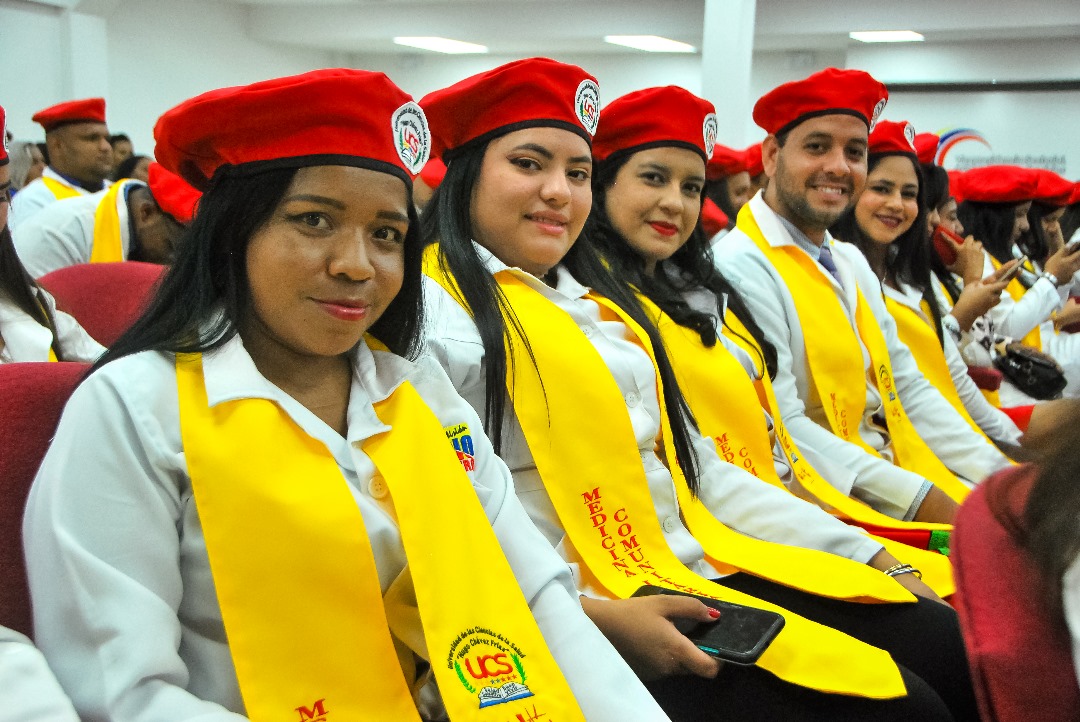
(105, 298)
(32, 396)
(1020, 655)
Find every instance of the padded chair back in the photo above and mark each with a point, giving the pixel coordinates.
(32, 395)
(105, 298)
(1020, 656)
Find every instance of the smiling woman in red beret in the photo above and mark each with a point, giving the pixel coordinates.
(257, 505)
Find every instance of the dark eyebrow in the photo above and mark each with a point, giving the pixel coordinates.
(323, 200)
(392, 216)
(664, 169)
(548, 155)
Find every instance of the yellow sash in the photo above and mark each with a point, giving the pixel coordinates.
(60, 190)
(1016, 290)
(835, 361)
(732, 416)
(296, 576)
(108, 246)
(919, 336)
(728, 408)
(592, 471)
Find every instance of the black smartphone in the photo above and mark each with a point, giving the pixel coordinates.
(740, 635)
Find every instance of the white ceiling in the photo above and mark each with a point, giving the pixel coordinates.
(526, 27)
(532, 27)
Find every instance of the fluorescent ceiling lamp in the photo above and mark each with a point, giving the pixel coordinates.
(441, 45)
(887, 36)
(649, 43)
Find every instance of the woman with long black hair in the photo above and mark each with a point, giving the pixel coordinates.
(263, 502)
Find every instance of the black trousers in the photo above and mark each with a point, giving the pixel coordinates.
(923, 638)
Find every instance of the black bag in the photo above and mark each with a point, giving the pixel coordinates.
(1031, 371)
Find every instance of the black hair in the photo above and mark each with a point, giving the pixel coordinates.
(992, 224)
(1034, 242)
(114, 139)
(127, 166)
(717, 192)
(909, 257)
(690, 267)
(20, 288)
(205, 293)
(448, 222)
(936, 180)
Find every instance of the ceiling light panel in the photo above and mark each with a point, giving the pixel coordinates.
(649, 43)
(441, 45)
(887, 36)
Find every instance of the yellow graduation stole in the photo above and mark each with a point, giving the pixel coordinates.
(728, 409)
(296, 576)
(60, 190)
(592, 471)
(1016, 290)
(835, 361)
(108, 247)
(919, 336)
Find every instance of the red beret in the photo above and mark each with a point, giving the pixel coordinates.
(336, 116)
(667, 116)
(172, 194)
(713, 220)
(830, 91)
(1051, 188)
(433, 173)
(1075, 197)
(754, 165)
(90, 110)
(725, 162)
(926, 146)
(998, 184)
(3, 137)
(535, 92)
(893, 138)
(956, 185)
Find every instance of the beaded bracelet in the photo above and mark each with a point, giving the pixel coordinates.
(897, 569)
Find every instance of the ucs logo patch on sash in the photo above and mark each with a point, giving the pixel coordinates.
(489, 665)
(462, 442)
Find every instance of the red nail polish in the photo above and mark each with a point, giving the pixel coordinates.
(714, 613)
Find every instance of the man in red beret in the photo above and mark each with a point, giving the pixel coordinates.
(80, 156)
(841, 366)
(129, 221)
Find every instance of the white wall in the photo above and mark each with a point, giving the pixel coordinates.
(147, 56)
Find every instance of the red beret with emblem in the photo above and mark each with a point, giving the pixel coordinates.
(173, 194)
(3, 137)
(755, 166)
(827, 92)
(530, 93)
(893, 138)
(725, 162)
(88, 110)
(998, 184)
(654, 117)
(334, 116)
(1051, 188)
(926, 145)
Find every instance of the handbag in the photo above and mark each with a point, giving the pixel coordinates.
(1031, 371)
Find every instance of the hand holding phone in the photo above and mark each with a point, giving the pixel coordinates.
(740, 635)
(1014, 271)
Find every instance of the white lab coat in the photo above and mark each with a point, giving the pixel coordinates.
(27, 340)
(35, 195)
(886, 487)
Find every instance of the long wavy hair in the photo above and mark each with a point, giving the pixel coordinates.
(910, 256)
(447, 221)
(206, 292)
(689, 268)
(20, 289)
